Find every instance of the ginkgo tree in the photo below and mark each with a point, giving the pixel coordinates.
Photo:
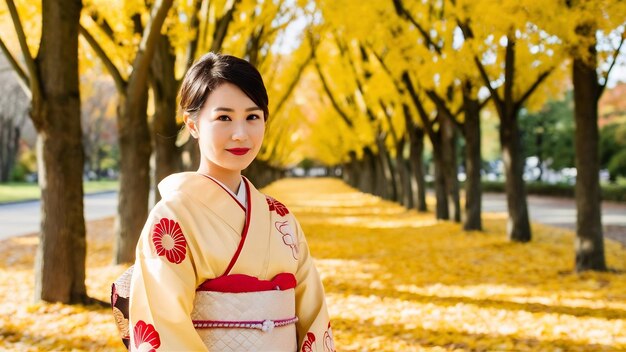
(129, 65)
(591, 34)
(47, 37)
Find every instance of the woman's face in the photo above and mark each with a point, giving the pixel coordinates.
(229, 128)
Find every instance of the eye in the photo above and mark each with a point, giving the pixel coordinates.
(253, 117)
(223, 118)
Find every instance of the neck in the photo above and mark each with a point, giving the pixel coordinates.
(230, 179)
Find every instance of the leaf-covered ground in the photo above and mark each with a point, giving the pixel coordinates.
(395, 280)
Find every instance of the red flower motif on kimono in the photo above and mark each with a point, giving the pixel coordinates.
(145, 333)
(277, 206)
(288, 238)
(309, 343)
(169, 240)
(329, 342)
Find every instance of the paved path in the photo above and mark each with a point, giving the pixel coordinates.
(561, 212)
(24, 218)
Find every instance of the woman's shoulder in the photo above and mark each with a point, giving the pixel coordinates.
(276, 206)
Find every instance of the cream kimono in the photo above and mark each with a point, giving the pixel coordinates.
(211, 274)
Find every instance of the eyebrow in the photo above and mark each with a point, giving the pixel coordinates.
(254, 108)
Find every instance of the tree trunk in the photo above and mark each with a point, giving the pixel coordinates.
(416, 161)
(441, 193)
(60, 258)
(135, 150)
(405, 195)
(367, 181)
(473, 187)
(387, 182)
(9, 146)
(350, 173)
(518, 226)
(589, 240)
(450, 165)
(165, 129)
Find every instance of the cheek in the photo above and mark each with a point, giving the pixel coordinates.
(259, 134)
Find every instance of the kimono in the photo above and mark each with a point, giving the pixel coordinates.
(214, 274)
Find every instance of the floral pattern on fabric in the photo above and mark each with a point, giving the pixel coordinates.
(309, 343)
(329, 342)
(145, 333)
(277, 206)
(288, 238)
(169, 240)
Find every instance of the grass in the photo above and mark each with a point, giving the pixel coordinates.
(19, 191)
(395, 280)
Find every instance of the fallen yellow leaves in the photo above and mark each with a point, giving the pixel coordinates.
(395, 280)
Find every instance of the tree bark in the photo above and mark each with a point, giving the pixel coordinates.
(164, 127)
(9, 146)
(405, 194)
(442, 210)
(589, 240)
(416, 161)
(60, 258)
(134, 141)
(367, 181)
(450, 166)
(473, 187)
(518, 226)
(135, 150)
(386, 181)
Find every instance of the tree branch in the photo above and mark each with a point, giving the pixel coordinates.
(442, 106)
(293, 83)
(194, 25)
(428, 125)
(469, 34)
(221, 27)
(31, 66)
(403, 12)
(394, 135)
(329, 93)
(615, 55)
(532, 88)
(492, 91)
(141, 65)
(120, 83)
(19, 71)
(104, 26)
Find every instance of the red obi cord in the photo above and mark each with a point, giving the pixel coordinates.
(239, 283)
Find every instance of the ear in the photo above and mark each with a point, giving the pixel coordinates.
(191, 125)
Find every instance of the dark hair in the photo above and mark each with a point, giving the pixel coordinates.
(213, 69)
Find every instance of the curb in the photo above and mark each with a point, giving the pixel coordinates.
(30, 200)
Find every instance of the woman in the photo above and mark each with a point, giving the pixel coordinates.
(220, 266)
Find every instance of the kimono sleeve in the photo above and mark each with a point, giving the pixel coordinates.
(163, 287)
(313, 326)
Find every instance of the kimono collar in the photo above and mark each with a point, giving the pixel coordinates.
(241, 192)
(203, 191)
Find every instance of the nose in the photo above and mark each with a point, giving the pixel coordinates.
(240, 132)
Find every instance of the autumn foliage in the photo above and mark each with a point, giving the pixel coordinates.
(395, 280)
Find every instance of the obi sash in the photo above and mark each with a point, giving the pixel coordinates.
(242, 313)
(231, 313)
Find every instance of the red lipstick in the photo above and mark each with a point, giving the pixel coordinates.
(239, 151)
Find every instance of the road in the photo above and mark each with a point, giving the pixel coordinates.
(23, 218)
(561, 212)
